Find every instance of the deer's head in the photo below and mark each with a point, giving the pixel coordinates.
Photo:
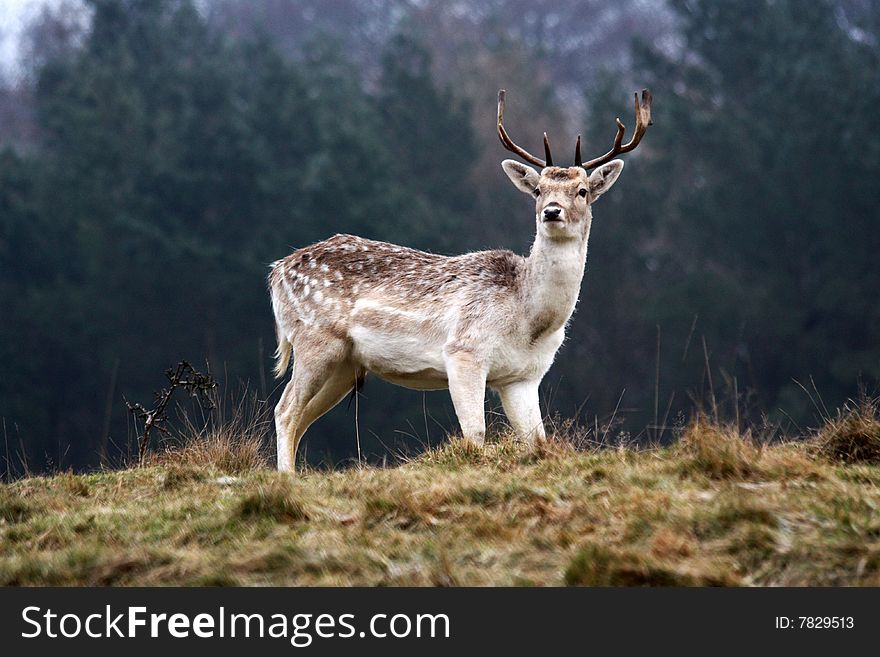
(563, 195)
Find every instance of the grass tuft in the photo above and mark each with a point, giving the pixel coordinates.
(234, 441)
(274, 501)
(599, 565)
(12, 507)
(180, 476)
(717, 451)
(502, 451)
(853, 435)
(72, 484)
(222, 450)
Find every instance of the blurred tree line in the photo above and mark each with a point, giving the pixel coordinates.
(174, 150)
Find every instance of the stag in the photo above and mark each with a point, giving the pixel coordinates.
(348, 305)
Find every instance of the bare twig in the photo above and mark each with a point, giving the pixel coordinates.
(182, 376)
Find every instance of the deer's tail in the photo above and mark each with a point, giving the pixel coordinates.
(282, 355)
(285, 348)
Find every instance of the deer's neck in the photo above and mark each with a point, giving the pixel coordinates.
(555, 271)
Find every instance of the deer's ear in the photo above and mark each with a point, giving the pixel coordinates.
(604, 177)
(524, 177)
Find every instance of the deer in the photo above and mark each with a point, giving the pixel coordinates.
(348, 306)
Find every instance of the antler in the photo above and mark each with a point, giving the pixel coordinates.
(643, 120)
(513, 148)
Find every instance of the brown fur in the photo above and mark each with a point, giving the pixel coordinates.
(411, 278)
(559, 173)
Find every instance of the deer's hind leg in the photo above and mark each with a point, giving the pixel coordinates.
(321, 379)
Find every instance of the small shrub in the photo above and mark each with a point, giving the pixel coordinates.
(853, 436)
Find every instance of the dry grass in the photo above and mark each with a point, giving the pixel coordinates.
(718, 450)
(222, 451)
(853, 435)
(275, 500)
(596, 564)
(717, 508)
(232, 442)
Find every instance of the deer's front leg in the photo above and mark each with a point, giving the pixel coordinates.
(467, 387)
(520, 402)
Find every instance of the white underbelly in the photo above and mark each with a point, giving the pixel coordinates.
(407, 359)
(406, 347)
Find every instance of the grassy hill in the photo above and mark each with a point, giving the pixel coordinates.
(714, 509)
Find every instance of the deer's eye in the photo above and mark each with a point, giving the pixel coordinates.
(582, 193)
(536, 193)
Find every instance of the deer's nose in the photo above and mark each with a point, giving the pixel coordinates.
(552, 213)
